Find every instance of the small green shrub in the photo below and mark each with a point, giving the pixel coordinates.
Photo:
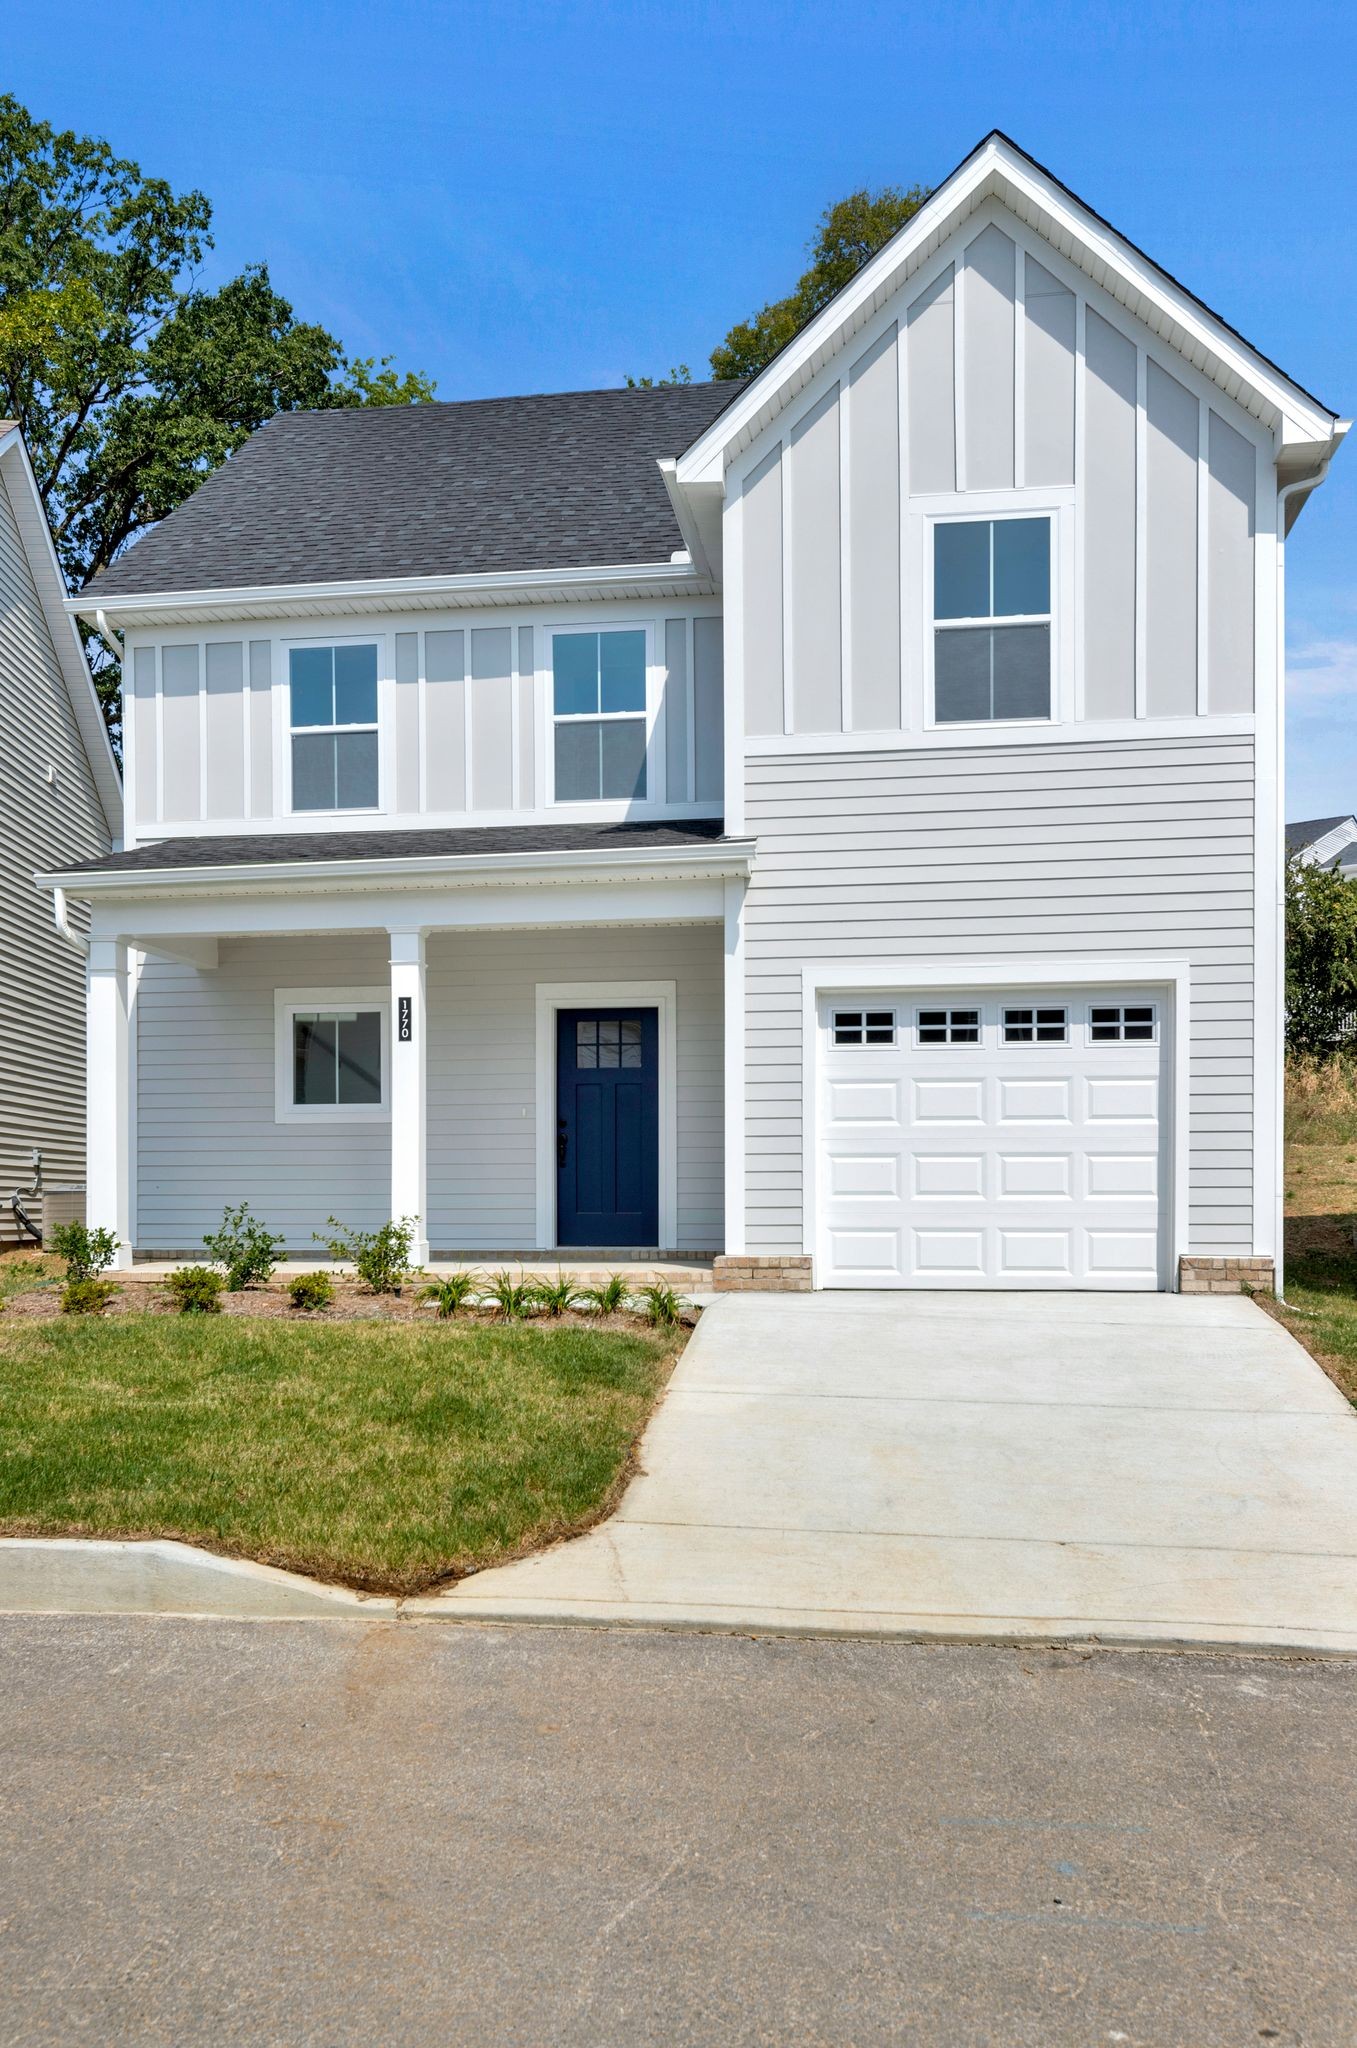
(554, 1297)
(196, 1290)
(86, 1297)
(608, 1299)
(87, 1252)
(452, 1293)
(381, 1258)
(311, 1291)
(515, 1299)
(663, 1308)
(243, 1246)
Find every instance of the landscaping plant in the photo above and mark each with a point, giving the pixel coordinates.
(87, 1252)
(608, 1299)
(86, 1297)
(515, 1299)
(244, 1247)
(311, 1291)
(452, 1293)
(554, 1297)
(663, 1308)
(196, 1290)
(381, 1258)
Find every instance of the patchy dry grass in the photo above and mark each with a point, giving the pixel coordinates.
(1321, 1215)
(383, 1456)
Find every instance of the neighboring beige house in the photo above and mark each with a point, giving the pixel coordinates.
(60, 798)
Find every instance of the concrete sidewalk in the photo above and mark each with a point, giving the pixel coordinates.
(1136, 1468)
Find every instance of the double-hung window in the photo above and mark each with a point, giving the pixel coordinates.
(332, 695)
(991, 620)
(598, 686)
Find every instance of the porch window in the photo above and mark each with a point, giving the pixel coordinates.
(598, 683)
(333, 711)
(331, 1055)
(991, 620)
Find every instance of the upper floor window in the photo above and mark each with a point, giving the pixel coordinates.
(333, 697)
(991, 619)
(598, 683)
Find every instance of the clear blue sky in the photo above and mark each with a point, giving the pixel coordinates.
(529, 198)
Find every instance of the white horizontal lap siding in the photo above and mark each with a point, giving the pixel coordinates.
(482, 1072)
(206, 1133)
(1144, 847)
(43, 825)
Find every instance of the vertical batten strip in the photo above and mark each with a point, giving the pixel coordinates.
(908, 661)
(1203, 553)
(423, 723)
(1142, 531)
(959, 274)
(1019, 367)
(1079, 474)
(785, 541)
(845, 543)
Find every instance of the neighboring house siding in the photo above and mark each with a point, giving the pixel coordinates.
(462, 707)
(206, 1133)
(1143, 848)
(45, 825)
(1003, 372)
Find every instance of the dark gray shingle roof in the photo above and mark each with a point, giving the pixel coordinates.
(1307, 830)
(560, 481)
(276, 848)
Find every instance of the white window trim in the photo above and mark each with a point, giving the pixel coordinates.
(991, 513)
(287, 1002)
(661, 996)
(284, 730)
(1166, 980)
(654, 735)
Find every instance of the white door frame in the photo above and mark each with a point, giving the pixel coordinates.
(661, 996)
(909, 977)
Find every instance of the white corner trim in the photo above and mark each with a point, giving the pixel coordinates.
(552, 996)
(733, 994)
(286, 1001)
(1050, 970)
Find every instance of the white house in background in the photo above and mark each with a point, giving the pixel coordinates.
(833, 822)
(1323, 842)
(60, 802)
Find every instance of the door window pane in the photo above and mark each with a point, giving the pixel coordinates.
(631, 1041)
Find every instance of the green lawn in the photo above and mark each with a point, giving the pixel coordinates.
(384, 1457)
(1321, 1213)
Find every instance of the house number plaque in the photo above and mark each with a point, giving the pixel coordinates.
(404, 1025)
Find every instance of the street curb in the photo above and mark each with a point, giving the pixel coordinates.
(71, 1575)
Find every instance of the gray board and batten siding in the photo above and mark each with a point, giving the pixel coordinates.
(1006, 372)
(52, 818)
(463, 708)
(206, 1129)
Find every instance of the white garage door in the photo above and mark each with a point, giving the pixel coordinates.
(972, 1140)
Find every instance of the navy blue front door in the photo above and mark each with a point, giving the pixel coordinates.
(607, 1127)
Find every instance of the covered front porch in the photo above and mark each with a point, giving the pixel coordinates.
(533, 1066)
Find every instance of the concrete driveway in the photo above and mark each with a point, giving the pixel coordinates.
(1137, 1468)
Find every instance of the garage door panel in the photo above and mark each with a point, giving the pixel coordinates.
(990, 1162)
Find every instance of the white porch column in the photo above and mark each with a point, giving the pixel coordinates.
(108, 1188)
(409, 1087)
(734, 998)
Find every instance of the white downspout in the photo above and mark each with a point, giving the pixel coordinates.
(1284, 496)
(62, 920)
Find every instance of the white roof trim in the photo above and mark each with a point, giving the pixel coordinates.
(998, 169)
(45, 569)
(1329, 845)
(668, 863)
(395, 593)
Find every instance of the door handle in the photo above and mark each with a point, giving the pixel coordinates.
(562, 1141)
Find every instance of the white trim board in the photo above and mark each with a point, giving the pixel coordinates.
(1049, 971)
(552, 996)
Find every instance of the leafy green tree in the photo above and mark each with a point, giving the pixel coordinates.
(849, 232)
(129, 381)
(680, 374)
(1321, 958)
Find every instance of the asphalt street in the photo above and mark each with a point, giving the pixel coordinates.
(400, 1833)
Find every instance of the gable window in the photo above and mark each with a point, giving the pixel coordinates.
(331, 1056)
(949, 1027)
(864, 1027)
(332, 693)
(991, 620)
(598, 686)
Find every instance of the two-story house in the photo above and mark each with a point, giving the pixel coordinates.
(832, 821)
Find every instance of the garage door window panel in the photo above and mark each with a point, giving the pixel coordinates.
(864, 1027)
(1036, 1027)
(1122, 1023)
(949, 1027)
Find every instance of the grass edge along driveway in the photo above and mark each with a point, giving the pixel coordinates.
(383, 1457)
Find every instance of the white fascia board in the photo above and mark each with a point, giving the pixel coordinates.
(48, 580)
(415, 592)
(444, 871)
(1000, 170)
